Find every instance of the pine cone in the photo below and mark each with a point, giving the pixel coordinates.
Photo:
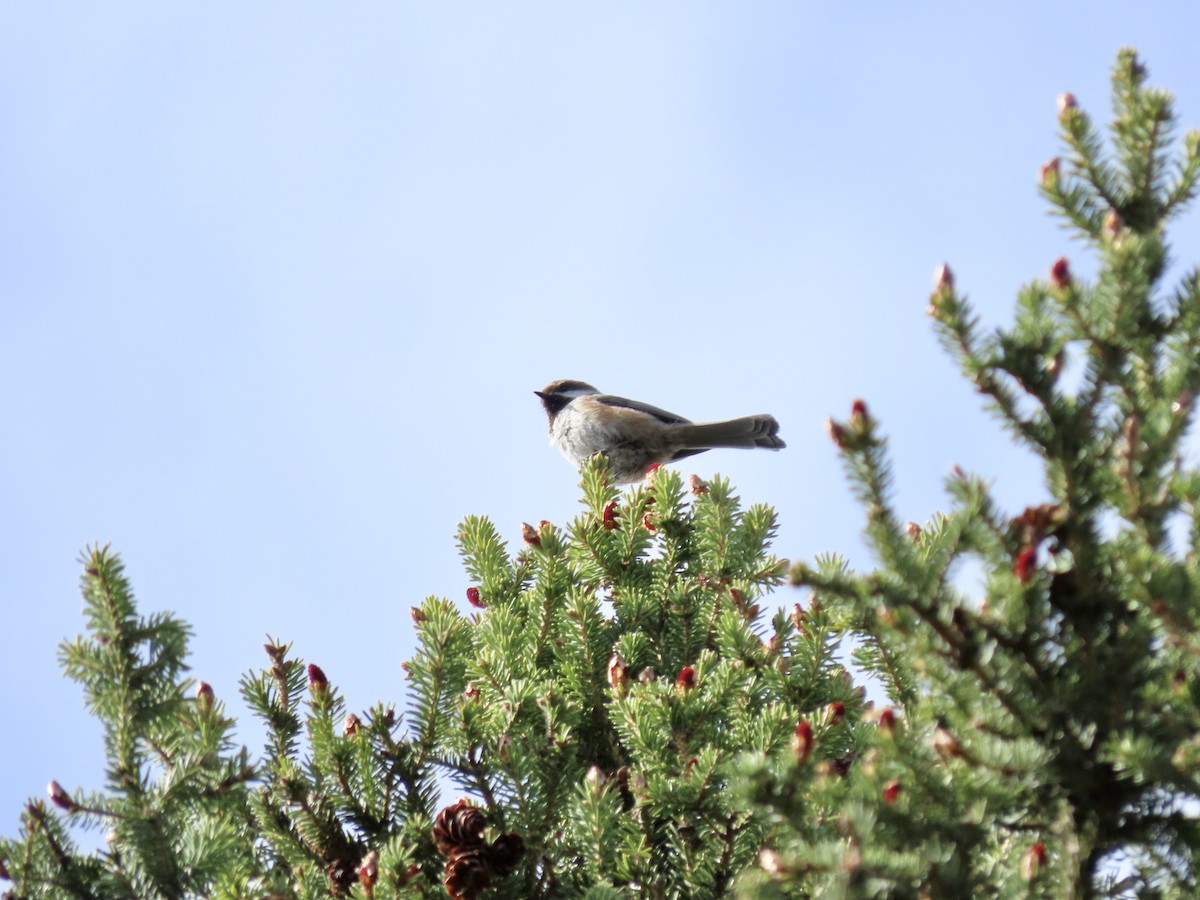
(506, 853)
(458, 827)
(621, 777)
(341, 874)
(469, 872)
(473, 865)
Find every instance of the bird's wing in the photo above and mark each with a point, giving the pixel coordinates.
(662, 415)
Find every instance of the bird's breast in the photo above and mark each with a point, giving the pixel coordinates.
(580, 435)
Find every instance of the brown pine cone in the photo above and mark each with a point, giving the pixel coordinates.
(469, 872)
(506, 852)
(458, 826)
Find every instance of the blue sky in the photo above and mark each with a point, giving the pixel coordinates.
(277, 281)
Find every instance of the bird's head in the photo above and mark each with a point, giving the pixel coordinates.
(557, 394)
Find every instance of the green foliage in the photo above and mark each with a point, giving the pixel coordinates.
(595, 705)
(600, 702)
(176, 806)
(1044, 740)
(359, 789)
(180, 815)
(626, 720)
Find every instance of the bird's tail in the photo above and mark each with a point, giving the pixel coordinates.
(748, 432)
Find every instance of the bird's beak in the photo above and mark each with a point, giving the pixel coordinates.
(540, 394)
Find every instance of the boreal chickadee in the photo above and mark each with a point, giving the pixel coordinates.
(635, 435)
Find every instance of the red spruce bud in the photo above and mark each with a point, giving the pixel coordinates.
(887, 720)
(946, 744)
(351, 725)
(1060, 274)
(858, 414)
(1066, 102)
(59, 797)
(803, 740)
(647, 675)
(686, 679)
(648, 523)
(418, 615)
(610, 515)
(1051, 172)
(697, 485)
(654, 467)
(204, 695)
(943, 279)
(1025, 562)
(837, 433)
(913, 530)
(530, 535)
(892, 791)
(618, 672)
(1033, 860)
(475, 598)
(316, 678)
(835, 712)
(368, 871)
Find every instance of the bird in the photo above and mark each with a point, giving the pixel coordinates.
(635, 435)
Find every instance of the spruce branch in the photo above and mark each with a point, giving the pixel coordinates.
(958, 329)
(1059, 707)
(1183, 190)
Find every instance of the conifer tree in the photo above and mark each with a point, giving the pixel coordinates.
(175, 809)
(1045, 738)
(614, 714)
(583, 721)
(599, 701)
